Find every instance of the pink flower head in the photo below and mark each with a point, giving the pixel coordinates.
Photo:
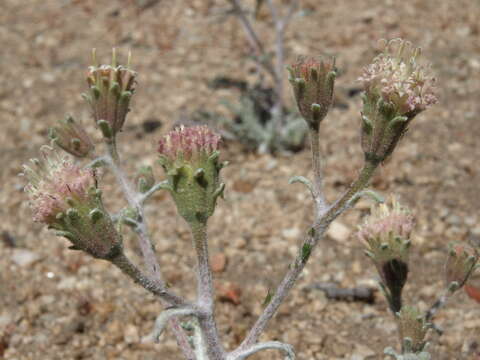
(386, 234)
(189, 143)
(313, 83)
(460, 264)
(111, 88)
(385, 225)
(398, 77)
(304, 66)
(55, 184)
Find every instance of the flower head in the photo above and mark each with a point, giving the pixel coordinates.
(413, 329)
(386, 234)
(189, 143)
(54, 184)
(460, 264)
(110, 90)
(313, 82)
(397, 76)
(71, 137)
(397, 87)
(64, 196)
(189, 158)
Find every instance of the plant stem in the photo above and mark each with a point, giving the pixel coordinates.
(148, 252)
(141, 229)
(437, 305)
(205, 293)
(319, 227)
(321, 204)
(155, 287)
(262, 56)
(281, 23)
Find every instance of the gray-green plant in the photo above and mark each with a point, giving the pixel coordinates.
(247, 127)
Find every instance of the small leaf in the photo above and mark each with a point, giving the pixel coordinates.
(267, 299)
(306, 251)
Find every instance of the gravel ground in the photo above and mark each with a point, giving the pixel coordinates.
(60, 304)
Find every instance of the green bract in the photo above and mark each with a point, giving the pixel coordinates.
(189, 158)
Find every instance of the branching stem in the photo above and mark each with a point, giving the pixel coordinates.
(319, 227)
(153, 281)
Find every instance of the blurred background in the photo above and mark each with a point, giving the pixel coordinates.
(196, 64)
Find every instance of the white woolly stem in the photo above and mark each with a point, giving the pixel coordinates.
(163, 319)
(275, 345)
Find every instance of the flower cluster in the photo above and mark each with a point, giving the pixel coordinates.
(71, 137)
(387, 236)
(399, 79)
(188, 143)
(189, 158)
(460, 264)
(397, 88)
(413, 329)
(65, 197)
(110, 90)
(55, 184)
(313, 82)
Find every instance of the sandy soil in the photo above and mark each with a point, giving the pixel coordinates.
(59, 304)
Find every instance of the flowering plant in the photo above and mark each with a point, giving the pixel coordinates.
(67, 197)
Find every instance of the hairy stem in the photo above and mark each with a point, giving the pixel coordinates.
(437, 305)
(147, 249)
(270, 345)
(320, 201)
(262, 58)
(319, 227)
(205, 293)
(281, 24)
(155, 287)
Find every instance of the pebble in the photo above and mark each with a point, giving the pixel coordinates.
(362, 352)
(218, 262)
(339, 232)
(131, 335)
(67, 283)
(292, 233)
(5, 319)
(229, 292)
(24, 258)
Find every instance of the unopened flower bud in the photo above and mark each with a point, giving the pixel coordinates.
(189, 157)
(460, 264)
(313, 82)
(397, 88)
(145, 179)
(71, 137)
(64, 196)
(386, 234)
(413, 329)
(110, 90)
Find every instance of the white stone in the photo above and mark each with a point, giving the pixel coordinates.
(339, 232)
(24, 258)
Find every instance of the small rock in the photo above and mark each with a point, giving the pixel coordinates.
(339, 232)
(218, 262)
(5, 319)
(24, 258)
(243, 186)
(292, 233)
(362, 352)
(68, 283)
(239, 243)
(229, 292)
(131, 335)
